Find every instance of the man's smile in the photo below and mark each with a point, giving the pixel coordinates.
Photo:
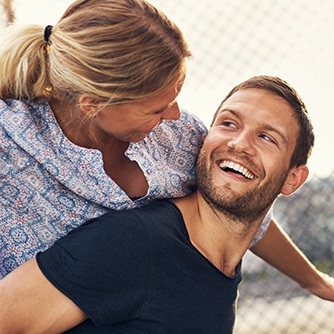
(230, 166)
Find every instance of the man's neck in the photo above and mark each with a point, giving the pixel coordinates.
(220, 238)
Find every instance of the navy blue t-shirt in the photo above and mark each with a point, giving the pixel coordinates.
(136, 271)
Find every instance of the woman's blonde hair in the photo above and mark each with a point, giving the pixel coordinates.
(116, 50)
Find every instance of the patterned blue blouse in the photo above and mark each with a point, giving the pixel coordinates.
(49, 186)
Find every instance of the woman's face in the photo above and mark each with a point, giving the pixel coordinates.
(132, 122)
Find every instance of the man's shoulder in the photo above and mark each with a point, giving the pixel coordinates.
(152, 214)
(155, 226)
(135, 219)
(130, 235)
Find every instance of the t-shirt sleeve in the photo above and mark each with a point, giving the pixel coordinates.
(263, 228)
(102, 267)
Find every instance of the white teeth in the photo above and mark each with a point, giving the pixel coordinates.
(238, 168)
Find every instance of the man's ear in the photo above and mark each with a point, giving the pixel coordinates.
(296, 177)
(89, 105)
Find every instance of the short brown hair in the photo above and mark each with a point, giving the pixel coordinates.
(281, 88)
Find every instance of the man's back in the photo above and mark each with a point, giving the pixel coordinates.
(136, 271)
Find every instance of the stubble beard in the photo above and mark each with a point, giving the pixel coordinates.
(244, 207)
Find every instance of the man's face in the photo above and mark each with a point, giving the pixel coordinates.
(245, 158)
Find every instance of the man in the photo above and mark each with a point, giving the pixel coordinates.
(174, 265)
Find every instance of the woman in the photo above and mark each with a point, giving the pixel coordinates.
(81, 114)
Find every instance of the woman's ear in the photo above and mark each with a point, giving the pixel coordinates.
(89, 105)
(296, 177)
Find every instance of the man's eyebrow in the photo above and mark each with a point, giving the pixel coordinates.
(224, 110)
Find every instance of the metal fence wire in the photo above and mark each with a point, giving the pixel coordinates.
(231, 41)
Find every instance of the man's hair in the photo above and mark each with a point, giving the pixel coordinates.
(281, 88)
(116, 50)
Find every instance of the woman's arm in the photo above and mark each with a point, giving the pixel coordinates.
(278, 250)
(31, 304)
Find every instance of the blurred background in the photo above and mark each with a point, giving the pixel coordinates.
(232, 40)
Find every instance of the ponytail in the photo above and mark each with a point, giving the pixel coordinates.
(23, 59)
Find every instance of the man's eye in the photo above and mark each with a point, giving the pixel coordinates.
(229, 124)
(267, 138)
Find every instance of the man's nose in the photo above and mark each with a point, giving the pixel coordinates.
(243, 143)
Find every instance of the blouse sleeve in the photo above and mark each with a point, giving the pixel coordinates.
(263, 228)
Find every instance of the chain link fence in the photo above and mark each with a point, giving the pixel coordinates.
(232, 40)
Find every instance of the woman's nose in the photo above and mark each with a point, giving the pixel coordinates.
(173, 112)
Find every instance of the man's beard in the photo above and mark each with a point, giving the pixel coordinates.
(245, 207)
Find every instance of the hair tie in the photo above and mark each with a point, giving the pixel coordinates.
(47, 33)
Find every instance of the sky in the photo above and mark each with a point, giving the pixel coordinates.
(232, 40)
